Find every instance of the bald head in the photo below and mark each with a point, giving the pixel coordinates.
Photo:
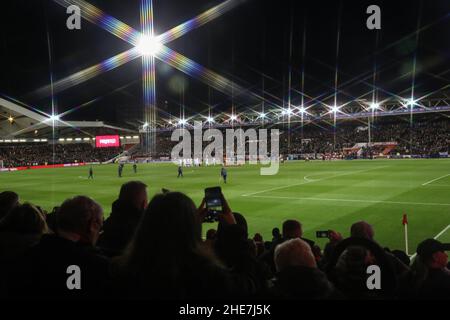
(294, 253)
(362, 229)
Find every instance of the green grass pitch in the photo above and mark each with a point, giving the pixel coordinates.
(321, 194)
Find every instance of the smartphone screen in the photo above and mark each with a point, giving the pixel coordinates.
(322, 234)
(213, 199)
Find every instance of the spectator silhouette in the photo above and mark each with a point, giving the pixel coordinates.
(127, 211)
(158, 266)
(21, 229)
(8, 200)
(43, 271)
(429, 277)
(297, 274)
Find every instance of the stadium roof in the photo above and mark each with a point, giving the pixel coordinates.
(17, 120)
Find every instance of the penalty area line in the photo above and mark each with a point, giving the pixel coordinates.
(354, 200)
(431, 181)
(310, 181)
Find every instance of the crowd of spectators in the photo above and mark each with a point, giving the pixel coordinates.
(23, 154)
(155, 250)
(426, 136)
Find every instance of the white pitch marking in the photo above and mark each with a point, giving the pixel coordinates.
(309, 181)
(437, 236)
(355, 200)
(431, 181)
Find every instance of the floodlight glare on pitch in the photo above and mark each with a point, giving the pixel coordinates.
(148, 46)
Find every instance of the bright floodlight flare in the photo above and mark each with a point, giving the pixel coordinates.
(10, 119)
(182, 122)
(374, 106)
(209, 119)
(410, 102)
(334, 109)
(145, 125)
(54, 117)
(302, 110)
(262, 115)
(233, 117)
(148, 46)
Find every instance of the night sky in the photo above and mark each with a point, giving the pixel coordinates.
(249, 45)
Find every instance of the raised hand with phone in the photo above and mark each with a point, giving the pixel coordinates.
(214, 207)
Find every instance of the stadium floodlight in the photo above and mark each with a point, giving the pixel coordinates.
(182, 122)
(262, 115)
(145, 125)
(209, 119)
(148, 46)
(233, 117)
(335, 109)
(10, 119)
(302, 110)
(54, 117)
(374, 106)
(410, 102)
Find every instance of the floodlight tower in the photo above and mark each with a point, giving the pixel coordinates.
(374, 106)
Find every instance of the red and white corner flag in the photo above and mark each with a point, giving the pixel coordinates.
(405, 225)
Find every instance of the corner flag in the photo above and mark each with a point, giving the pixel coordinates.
(405, 219)
(405, 225)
